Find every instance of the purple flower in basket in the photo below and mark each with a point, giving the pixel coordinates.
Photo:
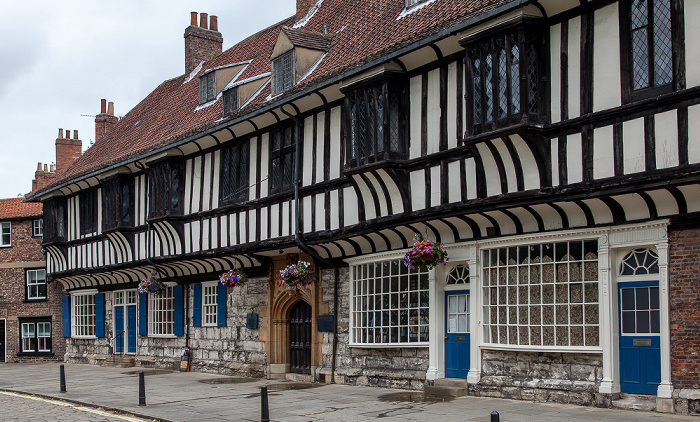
(424, 253)
(300, 273)
(233, 278)
(152, 284)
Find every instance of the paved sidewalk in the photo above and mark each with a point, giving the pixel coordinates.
(192, 396)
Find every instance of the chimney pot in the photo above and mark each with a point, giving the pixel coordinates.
(46, 166)
(193, 18)
(103, 106)
(203, 20)
(75, 134)
(38, 168)
(213, 23)
(110, 108)
(67, 133)
(60, 133)
(52, 168)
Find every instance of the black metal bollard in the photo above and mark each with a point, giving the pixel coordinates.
(495, 417)
(62, 378)
(142, 390)
(264, 410)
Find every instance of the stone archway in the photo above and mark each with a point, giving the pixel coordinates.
(281, 300)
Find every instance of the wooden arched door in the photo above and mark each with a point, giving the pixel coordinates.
(300, 338)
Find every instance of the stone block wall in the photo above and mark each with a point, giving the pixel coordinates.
(684, 309)
(540, 376)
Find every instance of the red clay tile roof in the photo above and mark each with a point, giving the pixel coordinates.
(360, 31)
(308, 39)
(17, 208)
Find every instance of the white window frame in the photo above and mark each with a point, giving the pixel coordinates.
(161, 313)
(42, 338)
(83, 314)
(209, 303)
(28, 336)
(5, 231)
(38, 228)
(35, 283)
(417, 322)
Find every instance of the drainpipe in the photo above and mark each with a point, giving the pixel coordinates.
(308, 250)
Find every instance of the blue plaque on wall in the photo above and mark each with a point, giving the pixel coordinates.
(325, 322)
(251, 321)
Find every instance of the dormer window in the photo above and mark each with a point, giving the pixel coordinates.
(283, 72)
(207, 85)
(230, 101)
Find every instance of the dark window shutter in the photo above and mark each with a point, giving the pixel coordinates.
(143, 314)
(197, 306)
(65, 302)
(179, 310)
(100, 315)
(221, 294)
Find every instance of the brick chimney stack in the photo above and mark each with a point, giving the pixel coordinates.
(202, 42)
(105, 120)
(303, 7)
(67, 150)
(43, 176)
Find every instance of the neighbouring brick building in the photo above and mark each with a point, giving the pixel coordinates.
(552, 147)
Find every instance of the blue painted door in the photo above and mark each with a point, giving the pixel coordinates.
(640, 352)
(131, 328)
(457, 334)
(119, 329)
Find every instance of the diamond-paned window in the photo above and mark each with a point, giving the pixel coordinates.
(477, 91)
(234, 173)
(283, 72)
(532, 80)
(281, 159)
(515, 85)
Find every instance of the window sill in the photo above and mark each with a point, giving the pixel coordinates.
(547, 349)
(389, 345)
(20, 354)
(161, 336)
(84, 337)
(37, 300)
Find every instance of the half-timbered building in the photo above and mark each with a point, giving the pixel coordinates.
(551, 146)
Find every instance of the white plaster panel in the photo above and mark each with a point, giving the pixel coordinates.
(531, 174)
(286, 224)
(243, 238)
(394, 193)
(307, 158)
(320, 212)
(603, 161)
(253, 167)
(252, 223)
(383, 201)
(367, 198)
(601, 212)
(454, 184)
(470, 174)
(607, 86)
(550, 217)
(306, 206)
(214, 232)
(274, 221)
(505, 223)
(320, 146)
(196, 236)
(634, 206)
(418, 190)
(452, 105)
(435, 186)
(215, 182)
(694, 134)
(493, 178)
(692, 42)
(465, 231)
(692, 197)
(415, 110)
(350, 207)
(666, 139)
(188, 237)
(574, 162)
(527, 220)
(188, 186)
(264, 163)
(232, 219)
(264, 217)
(574, 214)
(206, 245)
(633, 146)
(335, 163)
(223, 231)
(335, 210)
(433, 112)
(196, 184)
(665, 202)
(482, 222)
(554, 154)
(207, 192)
(555, 60)
(511, 176)
(574, 68)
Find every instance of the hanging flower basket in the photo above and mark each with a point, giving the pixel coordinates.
(424, 253)
(152, 284)
(233, 278)
(299, 274)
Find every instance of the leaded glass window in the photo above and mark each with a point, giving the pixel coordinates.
(88, 211)
(505, 79)
(283, 72)
(374, 122)
(652, 45)
(166, 188)
(542, 295)
(640, 262)
(230, 101)
(458, 275)
(234, 173)
(390, 305)
(207, 88)
(282, 149)
(117, 203)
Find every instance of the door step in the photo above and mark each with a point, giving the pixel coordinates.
(451, 387)
(118, 361)
(291, 376)
(642, 402)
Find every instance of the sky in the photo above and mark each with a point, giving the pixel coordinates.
(58, 59)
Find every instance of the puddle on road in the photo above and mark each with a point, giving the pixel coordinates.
(147, 372)
(414, 397)
(228, 380)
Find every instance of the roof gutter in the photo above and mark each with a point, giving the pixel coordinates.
(310, 90)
